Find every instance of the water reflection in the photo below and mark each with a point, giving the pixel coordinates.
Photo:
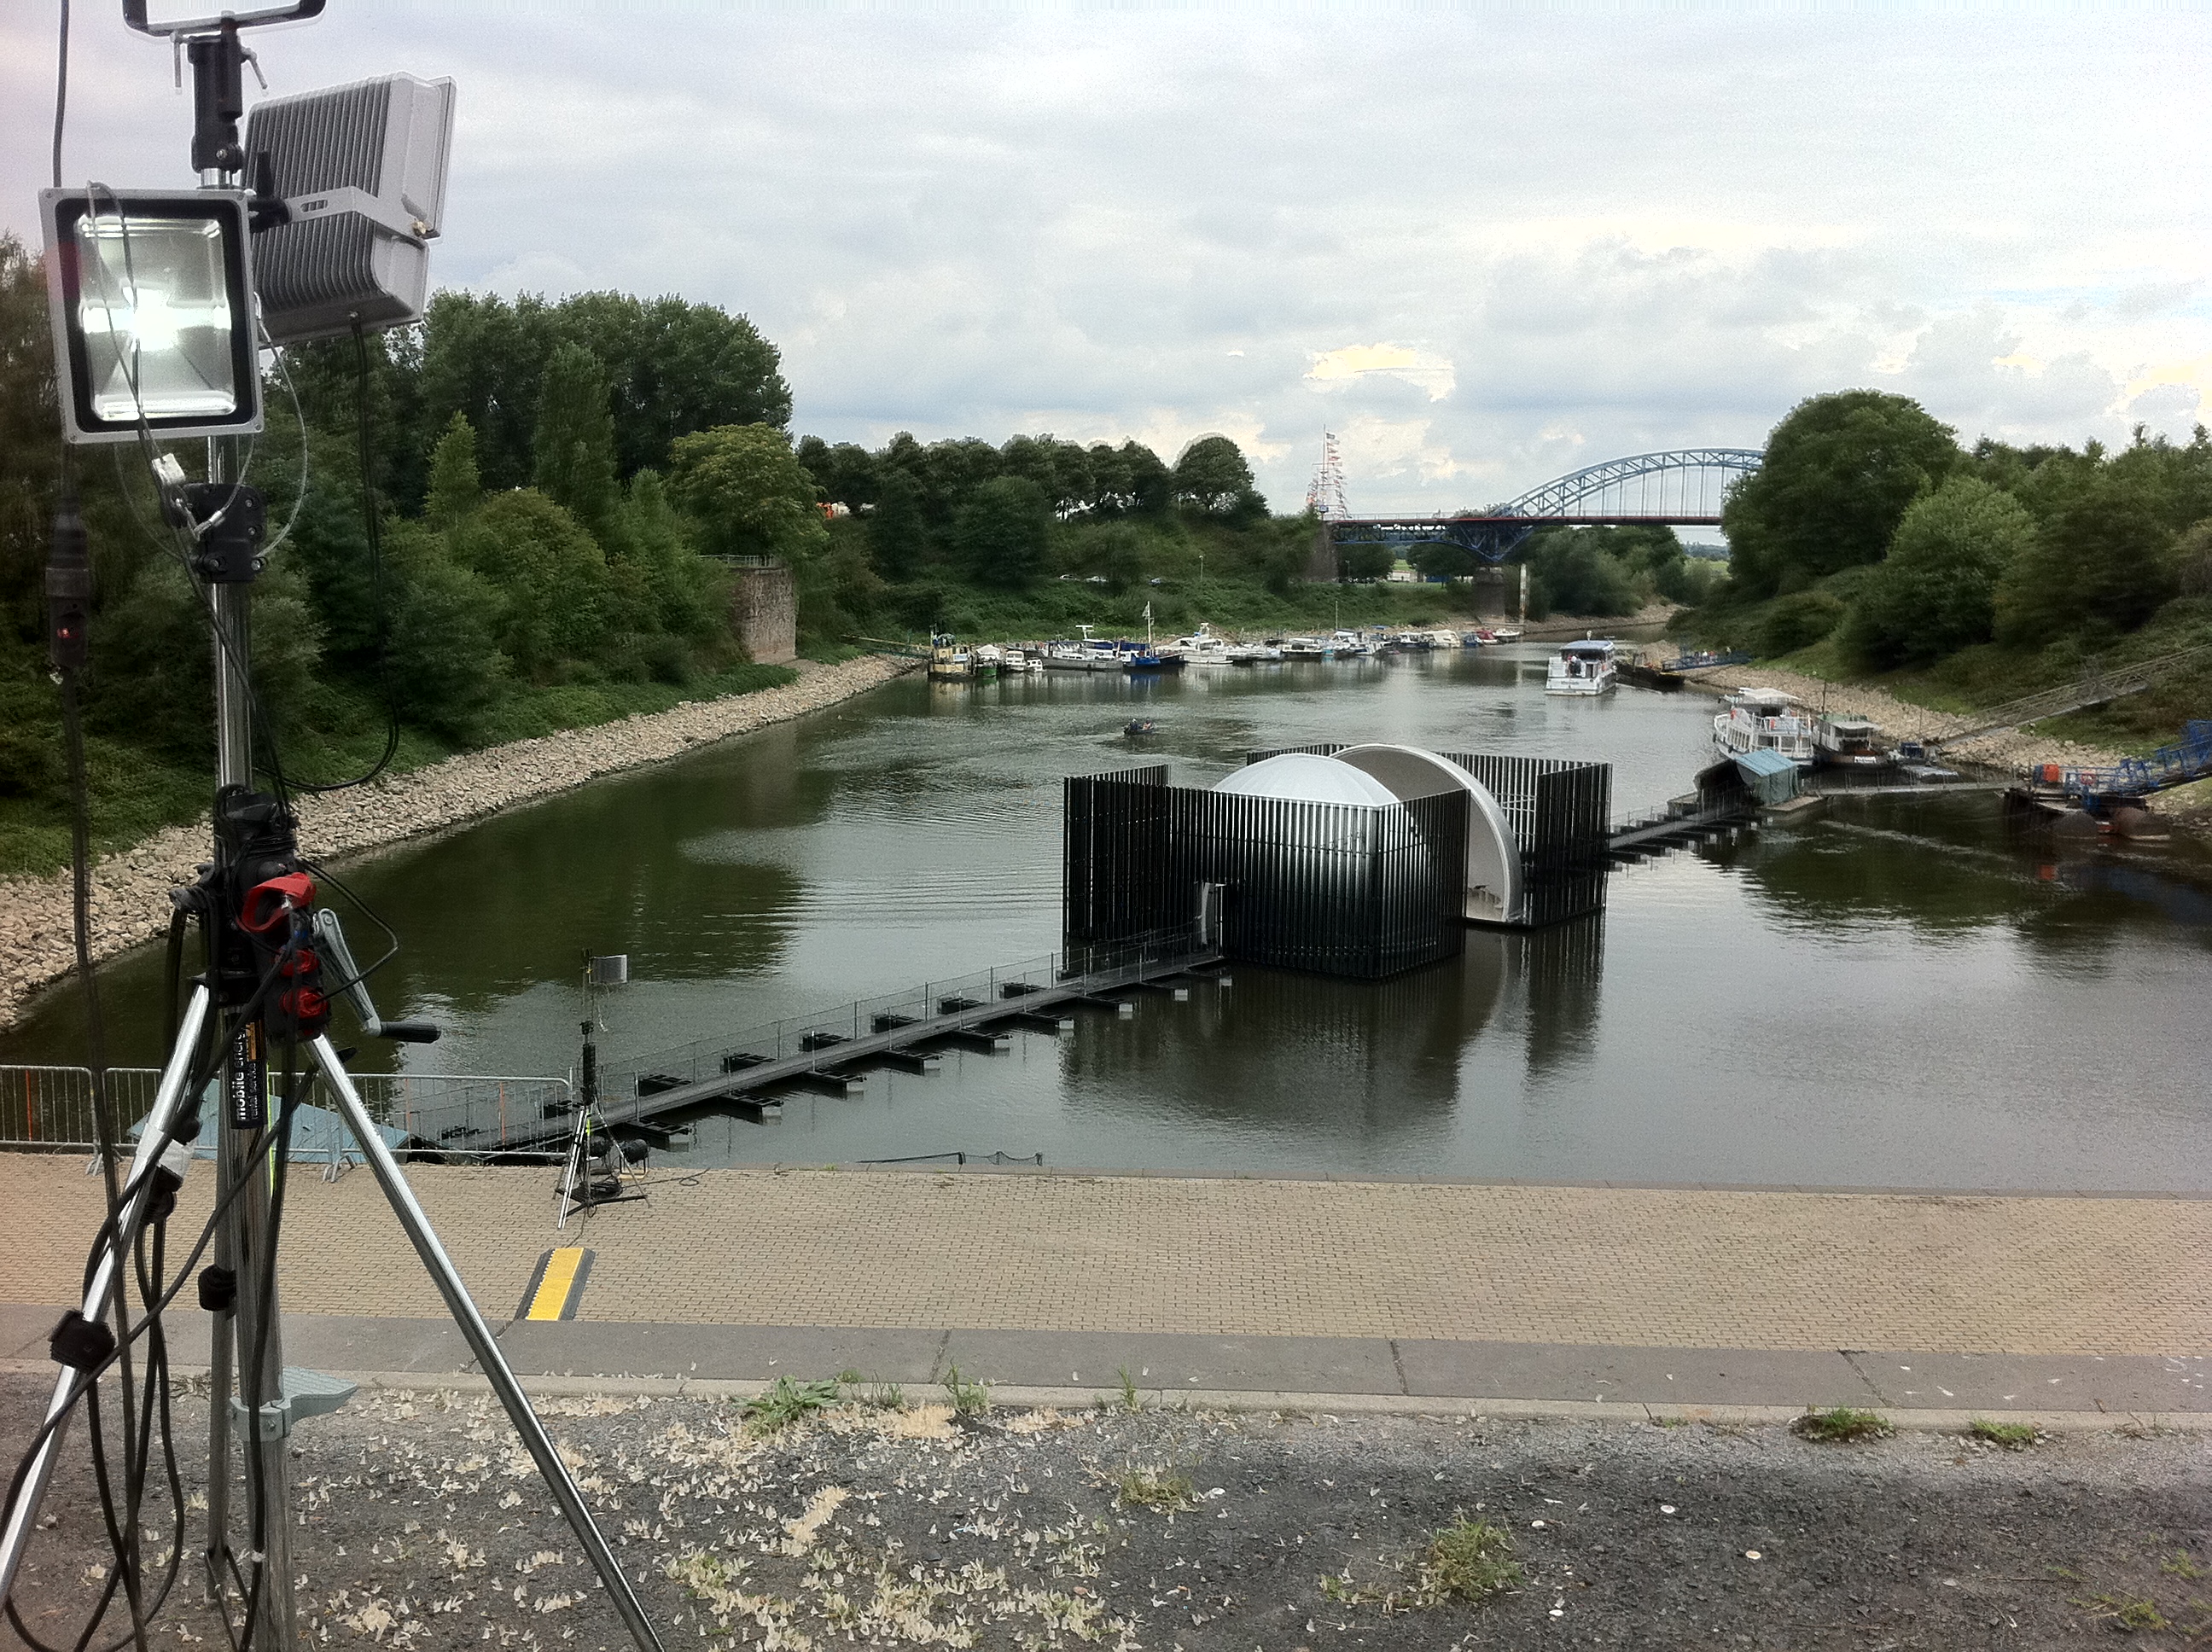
(1900, 992)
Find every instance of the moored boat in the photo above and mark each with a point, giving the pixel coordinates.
(1850, 742)
(1586, 667)
(1763, 720)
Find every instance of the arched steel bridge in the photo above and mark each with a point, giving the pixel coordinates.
(1682, 487)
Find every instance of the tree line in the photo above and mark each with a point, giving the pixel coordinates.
(1870, 526)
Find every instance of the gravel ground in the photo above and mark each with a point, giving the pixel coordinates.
(423, 1526)
(130, 888)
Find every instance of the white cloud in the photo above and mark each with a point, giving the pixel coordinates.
(1664, 226)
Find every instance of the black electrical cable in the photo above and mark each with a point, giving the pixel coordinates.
(61, 91)
(372, 520)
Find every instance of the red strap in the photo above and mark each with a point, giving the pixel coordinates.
(267, 903)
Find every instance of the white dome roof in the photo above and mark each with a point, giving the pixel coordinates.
(1304, 777)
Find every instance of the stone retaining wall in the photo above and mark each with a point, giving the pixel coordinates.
(130, 888)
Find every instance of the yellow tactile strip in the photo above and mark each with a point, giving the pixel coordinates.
(1638, 1266)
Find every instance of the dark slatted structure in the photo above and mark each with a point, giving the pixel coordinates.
(1334, 889)
(1559, 811)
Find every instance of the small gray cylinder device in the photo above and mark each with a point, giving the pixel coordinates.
(362, 172)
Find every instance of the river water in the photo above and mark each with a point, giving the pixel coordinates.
(1901, 992)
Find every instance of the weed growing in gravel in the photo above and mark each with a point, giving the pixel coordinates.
(969, 1399)
(1468, 1560)
(1163, 1491)
(885, 1396)
(786, 1402)
(2126, 1615)
(1841, 1424)
(2014, 1436)
(2181, 1566)
(1132, 1401)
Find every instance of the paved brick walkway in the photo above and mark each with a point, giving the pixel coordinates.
(1629, 1267)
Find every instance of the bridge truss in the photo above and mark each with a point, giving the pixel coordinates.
(1682, 487)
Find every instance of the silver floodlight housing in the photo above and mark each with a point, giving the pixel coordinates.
(150, 294)
(362, 172)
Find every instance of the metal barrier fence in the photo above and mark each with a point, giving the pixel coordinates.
(50, 1107)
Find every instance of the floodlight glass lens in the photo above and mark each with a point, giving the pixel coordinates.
(153, 303)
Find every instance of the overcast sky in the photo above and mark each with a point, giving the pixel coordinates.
(1484, 245)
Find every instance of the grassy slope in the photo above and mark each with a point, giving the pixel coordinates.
(1988, 675)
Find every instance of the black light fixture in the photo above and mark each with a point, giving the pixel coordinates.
(151, 297)
(196, 17)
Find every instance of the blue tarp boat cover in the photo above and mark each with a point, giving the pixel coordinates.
(1767, 775)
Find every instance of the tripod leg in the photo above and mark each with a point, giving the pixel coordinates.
(258, 1337)
(169, 1099)
(477, 1334)
(221, 1327)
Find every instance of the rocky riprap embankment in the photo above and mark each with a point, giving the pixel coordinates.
(130, 888)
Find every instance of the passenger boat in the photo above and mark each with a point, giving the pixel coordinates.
(1587, 667)
(1850, 742)
(1763, 720)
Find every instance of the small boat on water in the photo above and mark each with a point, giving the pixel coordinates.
(1763, 720)
(1139, 725)
(1850, 742)
(1307, 649)
(948, 662)
(1587, 667)
(1505, 634)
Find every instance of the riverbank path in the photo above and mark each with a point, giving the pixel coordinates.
(1397, 1290)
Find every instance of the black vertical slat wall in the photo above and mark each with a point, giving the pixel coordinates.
(1330, 887)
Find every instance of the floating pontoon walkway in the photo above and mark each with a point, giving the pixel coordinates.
(831, 1052)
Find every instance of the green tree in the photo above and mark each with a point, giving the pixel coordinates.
(1934, 593)
(1838, 473)
(574, 449)
(898, 538)
(1363, 559)
(748, 493)
(550, 575)
(1211, 475)
(456, 488)
(1572, 571)
(680, 583)
(1151, 484)
(1003, 532)
(2102, 561)
(1440, 559)
(445, 665)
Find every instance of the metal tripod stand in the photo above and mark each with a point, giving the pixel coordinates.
(262, 990)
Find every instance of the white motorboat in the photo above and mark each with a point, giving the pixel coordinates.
(1587, 667)
(1308, 648)
(1505, 634)
(1763, 720)
(1202, 647)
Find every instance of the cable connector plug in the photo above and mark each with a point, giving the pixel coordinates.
(69, 588)
(80, 1344)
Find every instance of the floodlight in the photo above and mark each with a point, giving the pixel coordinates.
(150, 293)
(361, 171)
(196, 17)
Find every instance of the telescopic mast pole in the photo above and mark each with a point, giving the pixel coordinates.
(247, 1358)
